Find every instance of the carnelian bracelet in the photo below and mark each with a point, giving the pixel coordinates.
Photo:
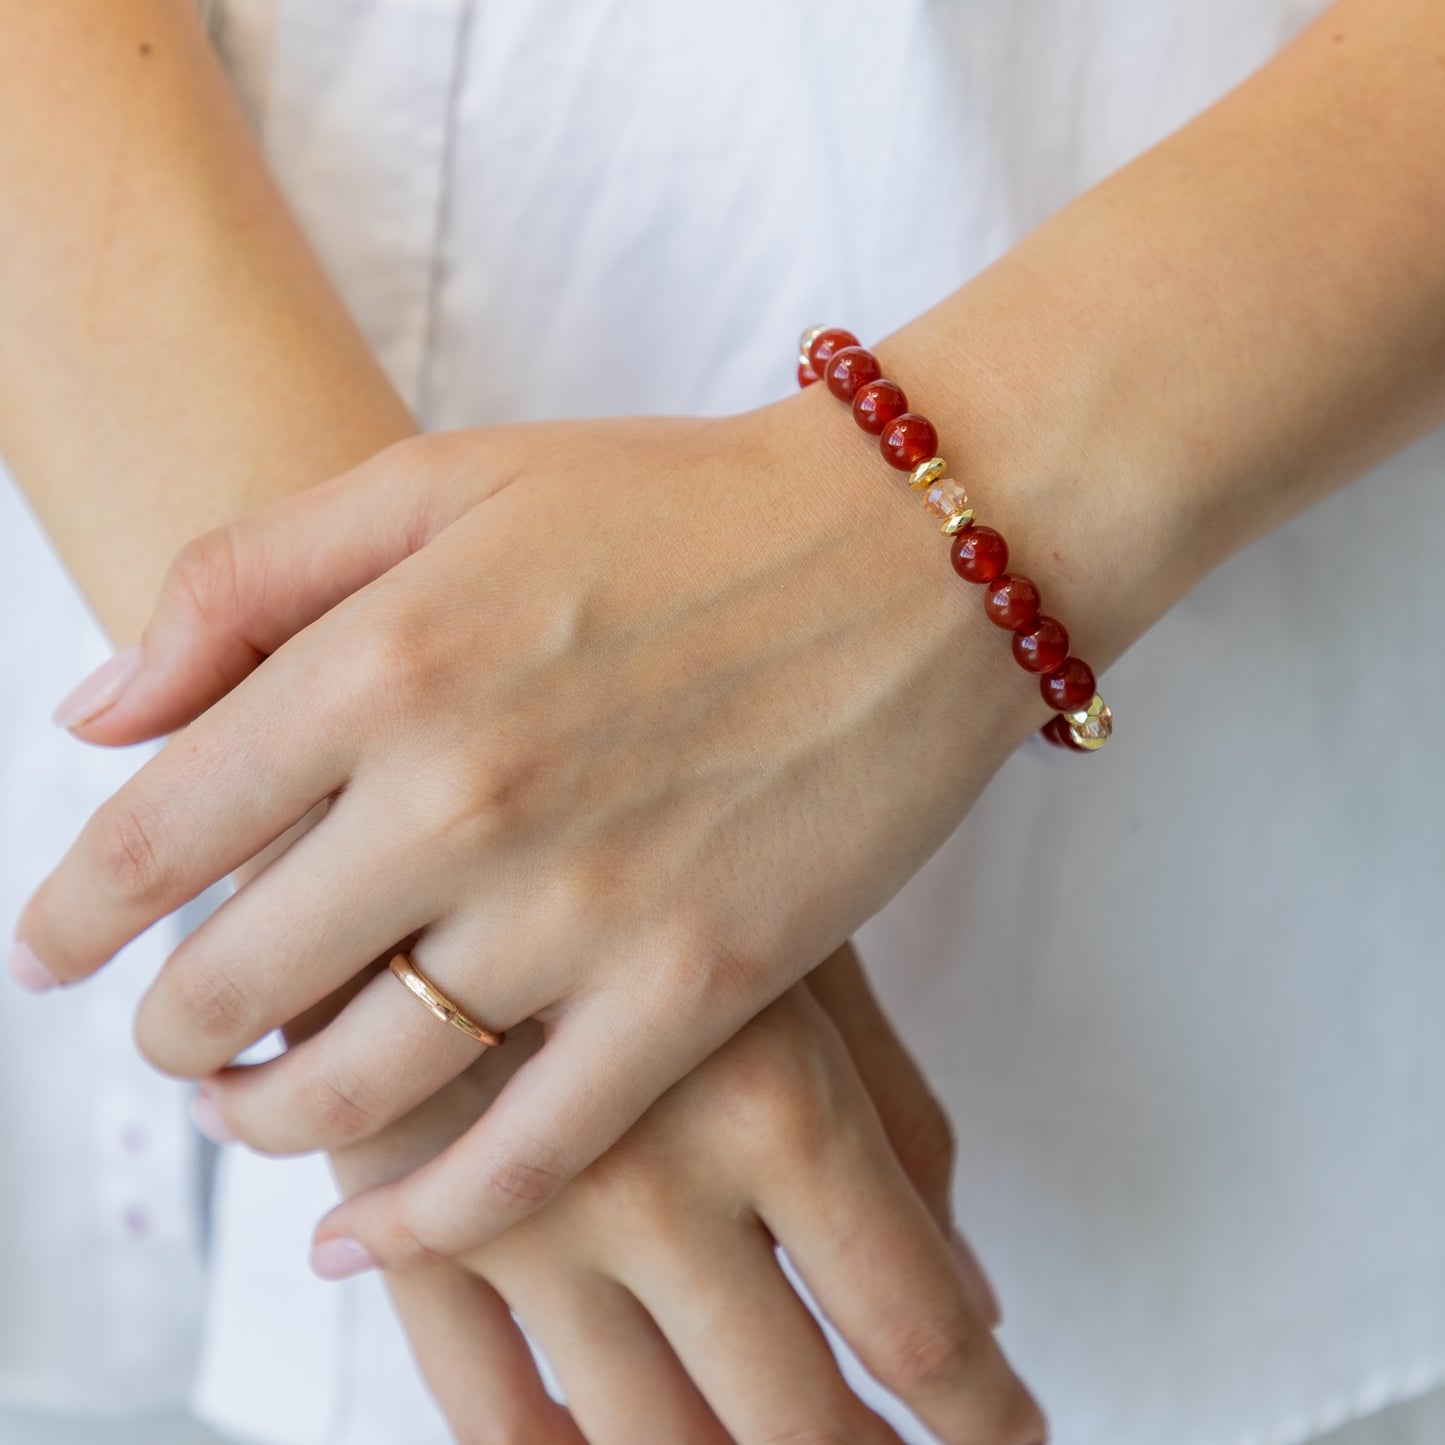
(909, 442)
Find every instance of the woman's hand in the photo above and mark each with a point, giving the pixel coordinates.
(651, 1280)
(644, 718)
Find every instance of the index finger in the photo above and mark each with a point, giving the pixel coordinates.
(214, 797)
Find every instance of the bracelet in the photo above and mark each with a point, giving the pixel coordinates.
(909, 442)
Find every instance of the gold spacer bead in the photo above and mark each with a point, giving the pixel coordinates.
(926, 473)
(805, 342)
(957, 523)
(1097, 708)
(1092, 727)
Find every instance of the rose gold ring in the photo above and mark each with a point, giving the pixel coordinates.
(439, 1005)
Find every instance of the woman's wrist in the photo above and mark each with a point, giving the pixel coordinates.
(1236, 323)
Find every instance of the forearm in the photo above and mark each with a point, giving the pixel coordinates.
(171, 355)
(1241, 320)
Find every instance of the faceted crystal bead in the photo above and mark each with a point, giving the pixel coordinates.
(1092, 728)
(944, 498)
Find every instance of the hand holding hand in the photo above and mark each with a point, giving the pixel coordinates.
(651, 1280)
(635, 723)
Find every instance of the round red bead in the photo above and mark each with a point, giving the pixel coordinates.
(806, 375)
(1042, 646)
(979, 554)
(1056, 730)
(849, 369)
(1069, 688)
(908, 440)
(877, 403)
(1012, 602)
(825, 343)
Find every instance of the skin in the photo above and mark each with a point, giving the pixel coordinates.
(280, 393)
(604, 813)
(651, 1282)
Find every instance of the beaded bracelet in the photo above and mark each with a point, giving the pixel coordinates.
(909, 442)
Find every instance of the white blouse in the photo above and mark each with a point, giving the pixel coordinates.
(1197, 1077)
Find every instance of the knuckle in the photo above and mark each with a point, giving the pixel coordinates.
(338, 1108)
(202, 575)
(788, 1091)
(208, 1006)
(127, 852)
(516, 1187)
(634, 1194)
(370, 667)
(918, 1356)
(490, 801)
(704, 974)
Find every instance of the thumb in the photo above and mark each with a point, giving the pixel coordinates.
(234, 595)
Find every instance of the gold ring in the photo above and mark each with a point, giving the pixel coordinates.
(438, 1004)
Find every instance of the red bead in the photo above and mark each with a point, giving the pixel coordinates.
(825, 343)
(878, 403)
(1069, 688)
(806, 375)
(849, 369)
(1042, 646)
(1056, 730)
(979, 554)
(1012, 602)
(908, 440)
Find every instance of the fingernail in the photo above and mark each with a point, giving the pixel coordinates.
(975, 1280)
(28, 971)
(341, 1258)
(102, 689)
(206, 1116)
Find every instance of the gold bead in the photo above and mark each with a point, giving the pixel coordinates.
(957, 523)
(1096, 708)
(1093, 726)
(926, 473)
(805, 342)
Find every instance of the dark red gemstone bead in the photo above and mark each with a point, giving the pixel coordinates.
(849, 369)
(1056, 730)
(1069, 688)
(1042, 646)
(878, 403)
(979, 554)
(1012, 602)
(806, 375)
(825, 343)
(908, 440)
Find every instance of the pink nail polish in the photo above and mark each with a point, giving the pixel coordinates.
(102, 689)
(206, 1116)
(28, 971)
(341, 1258)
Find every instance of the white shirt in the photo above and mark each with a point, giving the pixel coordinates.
(1184, 999)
